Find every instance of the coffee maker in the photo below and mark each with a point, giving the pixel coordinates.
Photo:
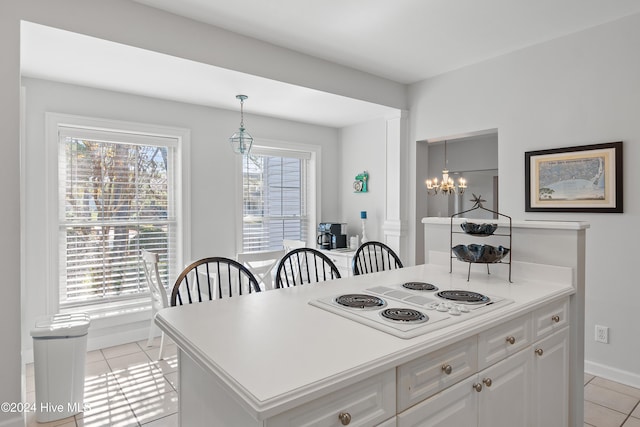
(331, 235)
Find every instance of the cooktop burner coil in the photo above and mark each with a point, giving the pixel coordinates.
(360, 301)
(419, 286)
(405, 315)
(464, 296)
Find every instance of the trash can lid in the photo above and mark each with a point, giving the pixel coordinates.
(61, 325)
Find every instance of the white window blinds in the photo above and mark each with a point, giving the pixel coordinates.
(275, 198)
(116, 196)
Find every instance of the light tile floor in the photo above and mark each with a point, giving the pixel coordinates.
(126, 386)
(610, 404)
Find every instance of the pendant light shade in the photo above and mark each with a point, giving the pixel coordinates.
(241, 141)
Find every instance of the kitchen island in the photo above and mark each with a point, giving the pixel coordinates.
(272, 358)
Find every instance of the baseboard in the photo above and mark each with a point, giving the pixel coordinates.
(613, 374)
(16, 421)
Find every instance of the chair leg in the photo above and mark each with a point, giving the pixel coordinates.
(161, 346)
(151, 331)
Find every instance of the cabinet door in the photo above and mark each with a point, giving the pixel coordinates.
(456, 406)
(391, 422)
(505, 398)
(551, 381)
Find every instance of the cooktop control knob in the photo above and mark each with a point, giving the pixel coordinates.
(454, 311)
(442, 307)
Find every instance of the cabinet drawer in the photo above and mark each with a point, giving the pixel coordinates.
(427, 375)
(504, 340)
(367, 403)
(550, 318)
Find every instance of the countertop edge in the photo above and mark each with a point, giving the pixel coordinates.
(556, 225)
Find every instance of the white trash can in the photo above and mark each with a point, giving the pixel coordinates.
(59, 353)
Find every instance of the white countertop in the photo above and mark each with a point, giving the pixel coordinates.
(272, 350)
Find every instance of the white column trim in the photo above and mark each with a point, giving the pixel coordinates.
(394, 226)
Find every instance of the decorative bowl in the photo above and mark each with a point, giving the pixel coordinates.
(485, 254)
(478, 229)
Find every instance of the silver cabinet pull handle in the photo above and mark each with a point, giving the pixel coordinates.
(477, 387)
(539, 351)
(555, 319)
(345, 418)
(447, 369)
(487, 382)
(511, 340)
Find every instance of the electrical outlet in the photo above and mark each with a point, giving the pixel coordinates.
(602, 334)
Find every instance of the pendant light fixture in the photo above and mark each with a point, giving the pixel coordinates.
(241, 141)
(446, 186)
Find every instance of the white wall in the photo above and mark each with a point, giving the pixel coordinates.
(363, 147)
(133, 24)
(213, 168)
(580, 89)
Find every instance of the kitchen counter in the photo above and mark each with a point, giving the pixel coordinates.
(273, 351)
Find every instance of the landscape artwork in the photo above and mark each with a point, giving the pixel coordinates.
(575, 179)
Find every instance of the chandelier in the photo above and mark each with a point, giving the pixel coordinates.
(446, 186)
(241, 141)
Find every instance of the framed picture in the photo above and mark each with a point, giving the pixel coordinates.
(587, 178)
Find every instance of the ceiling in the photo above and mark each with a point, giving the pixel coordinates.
(402, 40)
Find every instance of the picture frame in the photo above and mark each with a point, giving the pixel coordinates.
(585, 178)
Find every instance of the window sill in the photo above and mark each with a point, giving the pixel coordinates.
(117, 313)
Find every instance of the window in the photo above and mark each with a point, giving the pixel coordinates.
(116, 195)
(276, 198)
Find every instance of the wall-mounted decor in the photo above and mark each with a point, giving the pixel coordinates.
(587, 178)
(360, 185)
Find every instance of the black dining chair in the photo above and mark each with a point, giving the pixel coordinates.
(305, 265)
(212, 278)
(374, 256)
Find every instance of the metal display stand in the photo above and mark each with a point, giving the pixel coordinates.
(478, 205)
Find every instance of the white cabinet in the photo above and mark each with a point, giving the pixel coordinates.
(342, 259)
(427, 375)
(522, 377)
(505, 397)
(550, 318)
(504, 340)
(551, 380)
(484, 400)
(367, 403)
(391, 422)
(456, 406)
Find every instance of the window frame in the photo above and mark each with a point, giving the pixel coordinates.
(280, 148)
(55, 121)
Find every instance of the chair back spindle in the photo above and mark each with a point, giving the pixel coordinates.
(372, 257)
(212, 278)
(305, 265)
